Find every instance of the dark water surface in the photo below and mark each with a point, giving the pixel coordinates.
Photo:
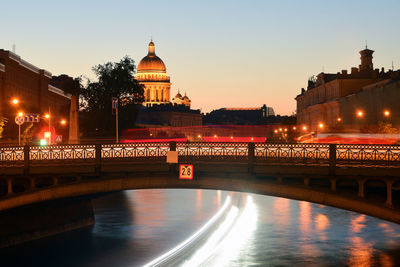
(134, 227)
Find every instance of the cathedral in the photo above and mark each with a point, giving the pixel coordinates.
(158, 109)
(152, 73)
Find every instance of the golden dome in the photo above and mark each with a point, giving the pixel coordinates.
(151, 62)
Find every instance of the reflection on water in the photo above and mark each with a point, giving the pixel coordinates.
(134, 227)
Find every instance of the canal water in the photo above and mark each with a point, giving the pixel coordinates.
(134, 227)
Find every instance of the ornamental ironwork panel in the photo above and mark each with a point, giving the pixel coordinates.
(65, 152)
(135, 150)
(212, 150)
(11, 153)
(368, 154)
(292, 152)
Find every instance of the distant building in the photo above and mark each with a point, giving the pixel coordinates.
(169, 115)
(378, 102)
(158, 109)
(239, 116)
(181, 100)
(31, 86)
(334, 100)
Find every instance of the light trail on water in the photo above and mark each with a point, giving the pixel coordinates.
(169, 254)
(225, 243)
(234, 239)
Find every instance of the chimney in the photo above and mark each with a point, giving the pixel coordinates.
(344, 72)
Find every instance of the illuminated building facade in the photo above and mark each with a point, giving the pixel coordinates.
(32, 87)
(152, 73)
(158, 108)
(323, 105)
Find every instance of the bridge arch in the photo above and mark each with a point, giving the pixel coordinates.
(92, 186)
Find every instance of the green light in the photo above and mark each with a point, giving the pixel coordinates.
(43, 142)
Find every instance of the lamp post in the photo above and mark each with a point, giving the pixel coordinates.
(360, 115)
(19, 120)
(48, 116)
(114, 105)
(386, 113)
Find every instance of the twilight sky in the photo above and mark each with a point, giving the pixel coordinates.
(222, 53)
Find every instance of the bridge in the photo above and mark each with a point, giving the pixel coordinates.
(59, 181)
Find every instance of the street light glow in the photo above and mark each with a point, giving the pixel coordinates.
(20, 114)
(386, 113)
(339, 119)
(304, 128)
(294, 128)
(47, 115)
(63, 122)
(276, 131)
(360, 113)
(321, 125)
(46, 134)
(15, 101)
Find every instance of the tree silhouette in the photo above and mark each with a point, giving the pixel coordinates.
(114, 80)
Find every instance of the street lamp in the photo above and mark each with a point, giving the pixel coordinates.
(304, 128)
(63, 122)
(360, 113)
(47, 116)
(15, 101)
(20, 115)
(339, 119)
(386, 113)
(321, 125)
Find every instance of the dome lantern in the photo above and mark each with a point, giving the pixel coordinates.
(152, 49)
(151, 62)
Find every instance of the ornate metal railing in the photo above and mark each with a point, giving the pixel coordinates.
(201, 150)
(260, 152)
(134, 150)
(292, 152)
(11, 154)
(65, 152)
(368, 154)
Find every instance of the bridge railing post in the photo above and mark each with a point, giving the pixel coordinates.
(250, 153)
(26, 159)
(97, 167)
(332, 159)
(172, 166)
